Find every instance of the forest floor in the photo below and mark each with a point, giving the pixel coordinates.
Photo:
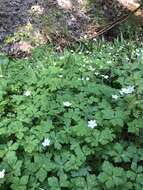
(25, 24)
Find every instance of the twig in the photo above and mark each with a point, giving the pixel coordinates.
(115, 23)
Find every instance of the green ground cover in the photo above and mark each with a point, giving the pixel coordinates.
(73, 120)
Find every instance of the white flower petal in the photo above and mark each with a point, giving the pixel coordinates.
(46, 142)
(27, 93)
(91, 68)
(115, 97)
(96, 73)
(67, 104)
(92, 124)
(109, 62)
(105, 76)
(2, 174)
(87, 78)
(127, 90)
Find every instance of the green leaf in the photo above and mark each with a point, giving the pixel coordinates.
(107, 168)
(11, 158)
(64, 181)
(41, 174)
(135, 126)
(3, 60)
(53, 182)
(106, 136)
(109, 183)
(24, 180)
(81, 129)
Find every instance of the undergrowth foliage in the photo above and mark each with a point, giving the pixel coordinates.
(73, 121)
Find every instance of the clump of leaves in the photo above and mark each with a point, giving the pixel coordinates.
(73, 120)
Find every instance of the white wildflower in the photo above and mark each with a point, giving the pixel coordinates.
(67, 104)
(127, 90)
(109, 62)
(1, 76)
(105, 76)
(92, 124)
(127, 59)
(60, 76)
(96, 73)
(46, 142)
(115, 97)
(91, 68)
(87, 78)
(27, 93)
(2, 174)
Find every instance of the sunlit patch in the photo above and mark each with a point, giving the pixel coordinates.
(38, 38)
(37, 9)
(65, 4)
(131, 5)
(24, 46)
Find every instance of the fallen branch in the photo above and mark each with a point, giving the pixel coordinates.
(115, 23)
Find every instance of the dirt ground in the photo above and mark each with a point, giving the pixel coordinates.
(28, 23)
(25, 24)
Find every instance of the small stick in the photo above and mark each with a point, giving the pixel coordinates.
(114, 23)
